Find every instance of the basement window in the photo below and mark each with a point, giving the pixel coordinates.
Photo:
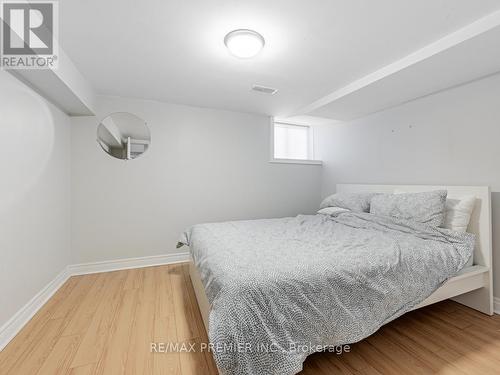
(292, 143)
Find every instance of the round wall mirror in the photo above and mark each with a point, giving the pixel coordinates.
(123, 135)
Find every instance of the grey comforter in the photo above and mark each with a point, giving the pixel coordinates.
(281, 288)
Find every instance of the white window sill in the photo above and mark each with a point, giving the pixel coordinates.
(296, 161)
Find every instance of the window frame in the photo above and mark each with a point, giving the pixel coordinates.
(310, 160)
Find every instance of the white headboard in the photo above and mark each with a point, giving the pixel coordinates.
(480, 223)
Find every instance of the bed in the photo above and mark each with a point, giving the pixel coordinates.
(471, 286)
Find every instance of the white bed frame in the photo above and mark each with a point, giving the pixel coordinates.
(472, 287)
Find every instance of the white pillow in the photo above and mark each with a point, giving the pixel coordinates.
(332, 211)
(458, 213)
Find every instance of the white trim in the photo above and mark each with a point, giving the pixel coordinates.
(296, 161)
(271, 138)
(496, 304)
(10, 329)
(127, 263)
(310, 136)
(285, 121)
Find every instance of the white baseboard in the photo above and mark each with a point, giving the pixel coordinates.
(128, 263)
(496, 305)
(19, 320)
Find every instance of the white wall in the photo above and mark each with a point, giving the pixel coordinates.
(203, 165)
(34, 194)
(448, 138)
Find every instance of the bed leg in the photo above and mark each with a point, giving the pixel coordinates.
(480, 300)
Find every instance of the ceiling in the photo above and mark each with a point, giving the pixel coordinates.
(173, 50)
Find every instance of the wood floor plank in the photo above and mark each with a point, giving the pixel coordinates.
(105, 324)
(83, 370)
(411, 364)
(59, 360)
(37, 353)
(341, 367)
(470, 341)
(439, 349)
(408, 329)
(315, 367)
(85, 313)
(165, 323)
(139, 358)
(455, 320)
(115, 355)
(71, 303)
(386, 365)
(96, 335)
(435, 363)
(135, 279)
(356, 363)
(454, 345)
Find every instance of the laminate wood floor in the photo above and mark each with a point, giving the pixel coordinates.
(105, 323)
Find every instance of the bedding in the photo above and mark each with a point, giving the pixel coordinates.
(279, 289)
(426, 207)
(357, 202)
(458, 212)
(332, 210)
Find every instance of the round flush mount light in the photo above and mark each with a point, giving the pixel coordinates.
(244, 43)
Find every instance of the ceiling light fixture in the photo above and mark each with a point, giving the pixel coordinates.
(244, 43)
(264, 89)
